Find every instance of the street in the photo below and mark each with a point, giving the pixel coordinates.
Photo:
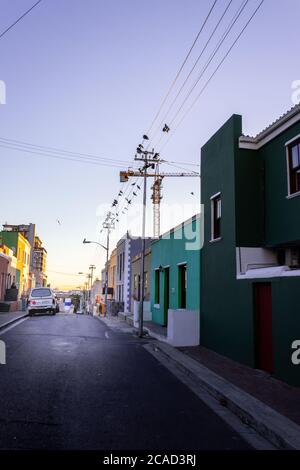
(70, 382)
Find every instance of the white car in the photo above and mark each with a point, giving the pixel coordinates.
(42, 300)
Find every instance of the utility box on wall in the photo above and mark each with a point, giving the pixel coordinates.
(183, 327)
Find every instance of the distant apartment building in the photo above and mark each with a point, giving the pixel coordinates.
(39, 263)
(31, 255)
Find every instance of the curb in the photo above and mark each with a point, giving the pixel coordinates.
(280, 431)
(157, 336)
(129, 319)
(13, 320)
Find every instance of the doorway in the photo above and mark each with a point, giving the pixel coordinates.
(263, 326)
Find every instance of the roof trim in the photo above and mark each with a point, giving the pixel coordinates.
(276, 128)
(177, 227)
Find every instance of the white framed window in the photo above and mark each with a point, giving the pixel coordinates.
(293, 166)
(216, 216)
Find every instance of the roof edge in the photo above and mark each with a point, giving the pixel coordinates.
(273, 130)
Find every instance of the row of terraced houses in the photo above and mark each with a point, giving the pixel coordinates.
(22, 264)
(229, 277)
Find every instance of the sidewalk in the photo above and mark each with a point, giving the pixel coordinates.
(267, 405)
(8, 318)
(278, 395)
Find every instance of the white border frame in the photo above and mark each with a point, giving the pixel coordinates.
(212, 198)
(287, 144)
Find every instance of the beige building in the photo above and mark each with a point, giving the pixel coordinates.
(136, 277)
(39, 263)
(112, 267)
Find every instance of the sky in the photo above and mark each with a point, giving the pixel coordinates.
(89, 76)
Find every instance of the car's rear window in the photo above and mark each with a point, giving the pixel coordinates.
(41, 293)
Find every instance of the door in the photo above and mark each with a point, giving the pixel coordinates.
(263, 326)
(166, 294)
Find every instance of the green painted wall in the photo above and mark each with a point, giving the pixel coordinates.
(10, 239)
(255, 212)
(286, 228)
(226, 320)
(249, 200)
(286, 327)
(170, 252)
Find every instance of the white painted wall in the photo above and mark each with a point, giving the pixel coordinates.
(254, 258)
(183, 327)
(127, 275)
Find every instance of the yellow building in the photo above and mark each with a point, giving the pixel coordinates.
(21, 248)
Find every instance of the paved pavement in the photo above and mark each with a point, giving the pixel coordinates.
(7, 318)
(278, 395)
(71, 382)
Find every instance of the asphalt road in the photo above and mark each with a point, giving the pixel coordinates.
(72, 383)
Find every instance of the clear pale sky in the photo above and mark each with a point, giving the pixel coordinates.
(89, 75)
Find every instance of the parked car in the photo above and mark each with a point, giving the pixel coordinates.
(42, 300)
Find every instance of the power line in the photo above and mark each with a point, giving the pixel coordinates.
(57, 150)
(180, 163)
(164, 119)
(63, 274)
(181, 168)
(181, 67)
(215, 71)
(19, 19)
(233, 21)
(63, 157)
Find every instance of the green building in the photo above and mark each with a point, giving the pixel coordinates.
(175, 271)
(250, 260)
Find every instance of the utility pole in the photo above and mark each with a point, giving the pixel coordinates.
(88, 294)
(92, 267)
(150, 159)
(108, 225)
(156, 188)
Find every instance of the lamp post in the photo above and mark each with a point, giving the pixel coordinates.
(85, 241)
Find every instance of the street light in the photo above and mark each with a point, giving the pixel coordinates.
(85, 241)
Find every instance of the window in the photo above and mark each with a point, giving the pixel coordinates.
(294, 167)
(157, 287)
(216, 214)
(120, 266)
(136, 286)
(182, 280)
(40, 293)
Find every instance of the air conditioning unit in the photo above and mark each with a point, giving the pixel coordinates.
(292, 258)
